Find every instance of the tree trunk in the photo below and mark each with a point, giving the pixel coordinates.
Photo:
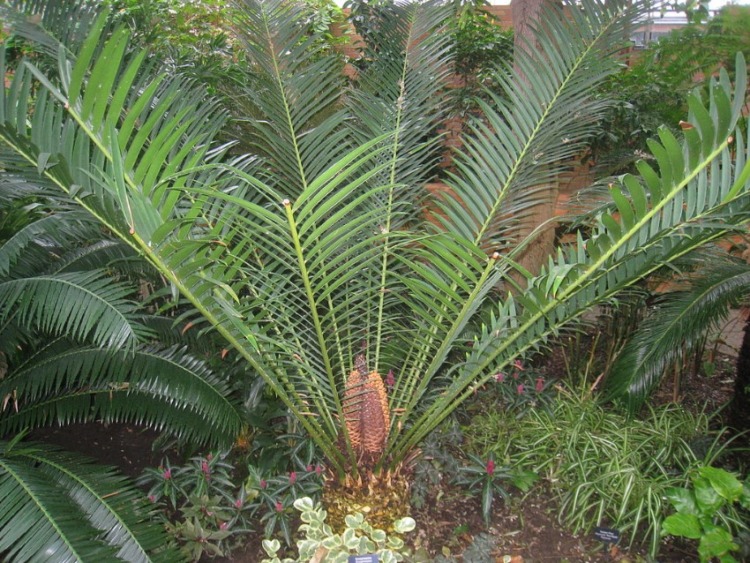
(527, 15)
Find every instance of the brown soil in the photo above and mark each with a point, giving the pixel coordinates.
(124, 446)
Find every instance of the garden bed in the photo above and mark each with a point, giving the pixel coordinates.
(523, 529)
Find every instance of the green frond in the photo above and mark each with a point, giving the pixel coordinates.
(53, 504)
(540, 120)
(40, 522)
(446, 283)
(84, 305)
(319, 268)
(403, 89)
(89, 145)
(13, 189)
(165, 389)
(673, 326)
(46, 233)
(113, 255)
(51, 24)
(182, 331)
(292, 94)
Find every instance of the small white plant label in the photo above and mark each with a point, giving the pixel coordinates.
(369, 558)
(607, 535)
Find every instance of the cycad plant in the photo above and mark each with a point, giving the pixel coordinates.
(312, 258)
(678, 323)
(79, 341)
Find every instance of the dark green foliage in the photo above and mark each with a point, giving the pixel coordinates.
(481, 549)
(439, 463)
(480, 47)
(676, 324)
(60, 507)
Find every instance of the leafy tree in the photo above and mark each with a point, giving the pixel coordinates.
(653, 90)
(194, 36)
(480, 45)
(312, 257)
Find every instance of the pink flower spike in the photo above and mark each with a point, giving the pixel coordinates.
(520, 389)
(309, 468)
(499, 377)
(263, 484)
(238, 503)
(518, 365)
(319, 469)
(223, 526)
(390, 379)
(279, 506)
(539, 384)
(490, 467)
(152, 498)
(167, 474)
(292, 478)
(205, 468)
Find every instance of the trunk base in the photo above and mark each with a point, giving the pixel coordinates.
(382, 498)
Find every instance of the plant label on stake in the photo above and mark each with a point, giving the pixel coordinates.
(607, 535)
(369, 558)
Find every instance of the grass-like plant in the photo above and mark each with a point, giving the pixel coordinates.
(604, 468)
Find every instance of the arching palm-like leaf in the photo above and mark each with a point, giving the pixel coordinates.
(60, 507)
(402, 89)
(536, 124)
(293, 90)
(24, 250)
(674, 325)
(73, 339)
(162, 388)
(85, 306)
